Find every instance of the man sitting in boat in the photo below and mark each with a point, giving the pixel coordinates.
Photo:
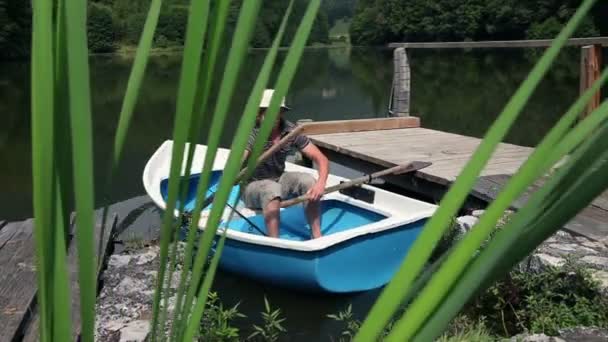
(269, 183)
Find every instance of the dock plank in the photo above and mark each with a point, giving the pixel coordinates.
(449, 153)
(102, 239)
(8, 231)
(17, 280)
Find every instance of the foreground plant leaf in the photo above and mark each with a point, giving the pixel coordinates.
(197, 24)
(242, 35)
(577, 183)
(392, 296)
(217, 27)
(136, 77)
(537, 164)
(82, 145)
(42, 155)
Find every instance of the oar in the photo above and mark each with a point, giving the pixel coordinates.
(396, 170)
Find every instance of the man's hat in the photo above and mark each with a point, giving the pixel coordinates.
(266, 100)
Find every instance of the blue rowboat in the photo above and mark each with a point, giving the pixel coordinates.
(364, 240)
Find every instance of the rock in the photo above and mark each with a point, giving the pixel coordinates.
(119, 260)
(147, 257)
(130, 285)
(563, 234)
(602, 278)
(584, 334)
(548, 260)
(536, 338)
(593, 245)
(467, 222)
(563, 249)
(596, 261)
(478, 213)
(135, 331)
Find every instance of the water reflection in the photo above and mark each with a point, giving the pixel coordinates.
(452, 90)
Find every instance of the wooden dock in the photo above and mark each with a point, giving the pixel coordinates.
(18, 283)
(529, 43)
(374, 144)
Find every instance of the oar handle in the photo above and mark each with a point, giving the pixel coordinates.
(397, 170)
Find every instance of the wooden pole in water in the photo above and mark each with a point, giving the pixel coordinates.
(400, 94)
(591, 63)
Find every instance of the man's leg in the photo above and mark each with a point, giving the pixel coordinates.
(272, 217)
(265, 195)
(314, 218)
(298, 183)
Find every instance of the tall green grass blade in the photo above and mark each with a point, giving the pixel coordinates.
(235, 156)
(580, 132)
(61, 284)
(135, 79)
(62, 184)
(62, 134)
(242, 35)
(393, 294)
(233, 165)
(283, 81)
(80, 114)
(579, 182)
(536, 165)
(195, 36)
(194, 323)
(42, 153)
(197, 24)
(197, 314)
(217, 26)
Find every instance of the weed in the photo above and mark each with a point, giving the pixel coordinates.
(134, 243)
(216, 322)
(463, 329)
(352, 325)
(272, 328)
(544, 302)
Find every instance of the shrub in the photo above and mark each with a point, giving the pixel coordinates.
(100, 28)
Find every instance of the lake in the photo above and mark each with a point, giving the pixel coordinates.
(459, 91)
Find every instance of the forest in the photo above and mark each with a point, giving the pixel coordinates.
(377, 22)
(114, 24)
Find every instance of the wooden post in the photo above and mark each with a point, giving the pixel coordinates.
(591, 63)
(400, 96)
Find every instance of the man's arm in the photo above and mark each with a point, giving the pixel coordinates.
(313, 153)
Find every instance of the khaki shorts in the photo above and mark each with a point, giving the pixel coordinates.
(291, 184)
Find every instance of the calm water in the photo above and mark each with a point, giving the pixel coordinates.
(453, 90)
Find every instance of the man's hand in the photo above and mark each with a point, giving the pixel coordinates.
(316, 192)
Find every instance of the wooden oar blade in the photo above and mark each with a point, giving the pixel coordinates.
(411, 167)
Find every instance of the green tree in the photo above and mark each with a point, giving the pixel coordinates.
(369, 26)
(100, 28)
(172, 24)
(15, 28)
(339, 9)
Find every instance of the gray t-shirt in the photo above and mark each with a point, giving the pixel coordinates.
(273, 166)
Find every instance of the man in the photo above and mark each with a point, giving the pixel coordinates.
(270, 184)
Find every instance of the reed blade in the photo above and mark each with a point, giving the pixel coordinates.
(244, 29)
(217, 27)
(539, 162)
(82, 149)
(579, 182)
(195, 31)
(136, 77)
(397, 289)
